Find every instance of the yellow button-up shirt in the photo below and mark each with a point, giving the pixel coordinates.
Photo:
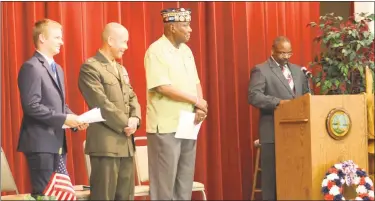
(168, 65)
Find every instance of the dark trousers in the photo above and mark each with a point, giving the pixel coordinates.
(112, 178)
(268, 165)
(41, 168)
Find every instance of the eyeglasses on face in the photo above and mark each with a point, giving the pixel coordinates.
(284, 54)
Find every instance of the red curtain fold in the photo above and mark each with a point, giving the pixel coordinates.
(228, 39)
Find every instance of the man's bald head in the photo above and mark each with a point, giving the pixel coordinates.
(115, 38)
(113, 29)
(279, 40)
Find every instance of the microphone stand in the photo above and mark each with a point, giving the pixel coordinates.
(308, 85)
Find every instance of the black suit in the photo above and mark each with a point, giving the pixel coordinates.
(267, 87)
(44, 113)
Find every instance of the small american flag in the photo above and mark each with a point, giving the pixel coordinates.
(59, 184)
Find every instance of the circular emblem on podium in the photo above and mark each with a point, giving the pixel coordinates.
(338, 123)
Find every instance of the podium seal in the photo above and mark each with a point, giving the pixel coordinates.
(338, 123)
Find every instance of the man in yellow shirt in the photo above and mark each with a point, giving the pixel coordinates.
(173, 85)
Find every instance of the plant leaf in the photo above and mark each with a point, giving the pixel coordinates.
(360, 68)
(366, 34)
(358, 46)
(372, 17)
(352, 56)
(311, 24)
(337, 83)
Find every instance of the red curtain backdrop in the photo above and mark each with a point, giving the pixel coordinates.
(228, 39)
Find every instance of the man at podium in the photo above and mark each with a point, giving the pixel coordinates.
(273, 83)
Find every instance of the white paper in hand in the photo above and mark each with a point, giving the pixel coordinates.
(186, 128)
(91, 116)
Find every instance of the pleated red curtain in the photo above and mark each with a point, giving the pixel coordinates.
(228, 39)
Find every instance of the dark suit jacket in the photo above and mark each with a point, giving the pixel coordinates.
(267, 87)
(44, 107)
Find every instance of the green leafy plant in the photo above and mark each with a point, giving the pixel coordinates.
(347, 47)
(29, 197)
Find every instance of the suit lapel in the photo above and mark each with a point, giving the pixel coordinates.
(108, 66)
(111, 69)
(277, 71)
(61, 79)
(45, 64)
(120, 72)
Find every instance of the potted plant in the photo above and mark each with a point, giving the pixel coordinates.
(347, 47)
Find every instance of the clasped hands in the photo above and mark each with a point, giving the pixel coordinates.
(132, 126)
(201, 110)
(73, 122)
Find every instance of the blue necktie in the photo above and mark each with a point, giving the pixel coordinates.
(54, 70)
(53, 65)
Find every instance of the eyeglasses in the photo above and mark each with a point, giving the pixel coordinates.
(285, 54)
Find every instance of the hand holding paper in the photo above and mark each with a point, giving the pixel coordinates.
(83, 126)
(133, 122)
(187, 129)
(72, 120)
(91, 116)
(132, 126)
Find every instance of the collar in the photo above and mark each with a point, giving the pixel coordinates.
(286, 65)
(275, 61)
(112, 62)
(169, 45)
(49, 60)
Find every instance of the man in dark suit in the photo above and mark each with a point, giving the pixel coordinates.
(273, 83)
(42, 91)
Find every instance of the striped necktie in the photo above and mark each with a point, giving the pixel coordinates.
(288, 76)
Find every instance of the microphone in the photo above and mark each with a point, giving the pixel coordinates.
(307, 73)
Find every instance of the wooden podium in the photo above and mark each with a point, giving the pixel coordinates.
(304, 149)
